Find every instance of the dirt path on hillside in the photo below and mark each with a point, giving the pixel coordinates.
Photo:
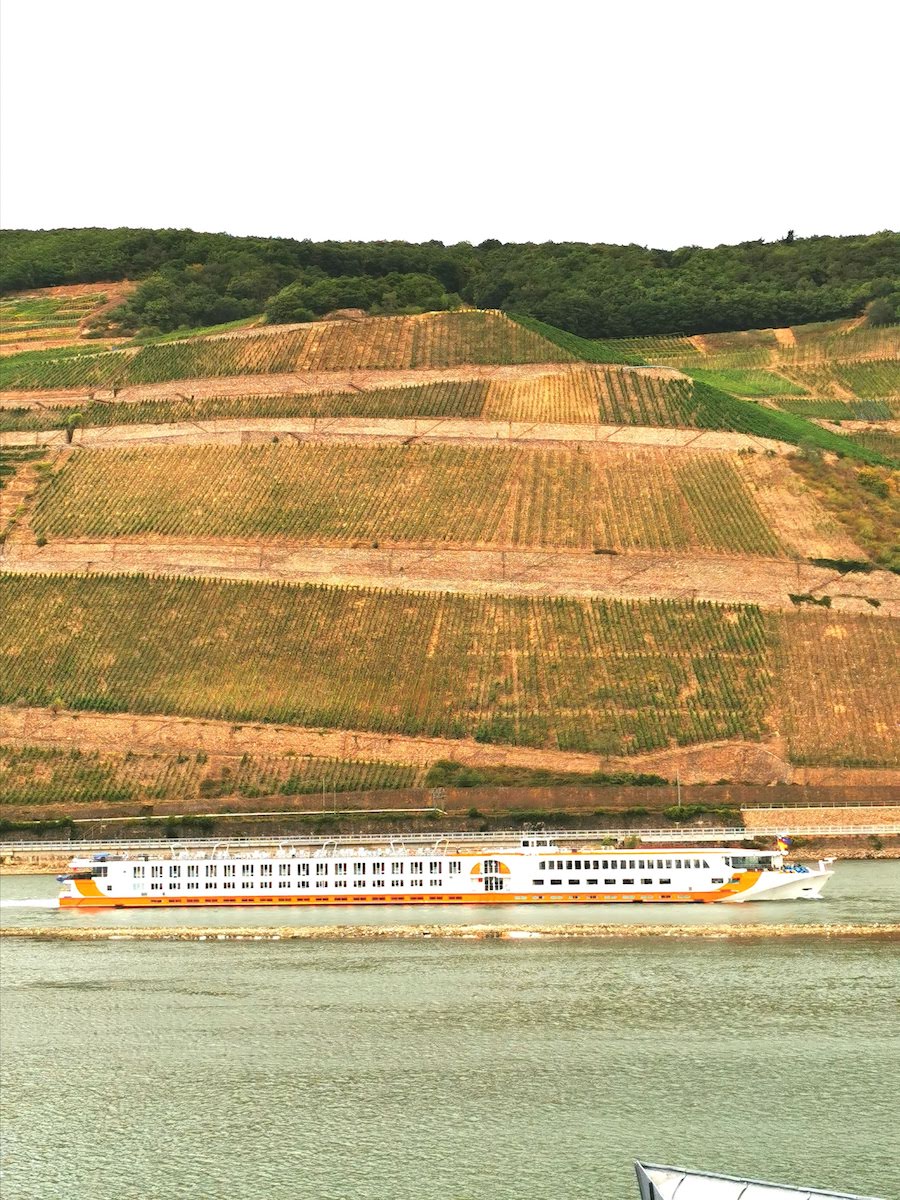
(785, 337)
(768, 583)
(243, 431)
(739, 761)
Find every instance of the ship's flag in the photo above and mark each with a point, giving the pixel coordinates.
(783, 842)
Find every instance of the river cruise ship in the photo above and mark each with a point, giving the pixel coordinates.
(528, 870)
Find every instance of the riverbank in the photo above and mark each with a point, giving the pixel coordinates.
(305, 933)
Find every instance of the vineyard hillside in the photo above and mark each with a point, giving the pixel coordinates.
(400, 541)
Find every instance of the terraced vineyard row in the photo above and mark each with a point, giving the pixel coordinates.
(843, 410)
(745, 350)
(610, 677)
(511, 496)
(576, 396)
(839, 694)
(873, 380)
(36, 775)
(398, 343)
(20, 314)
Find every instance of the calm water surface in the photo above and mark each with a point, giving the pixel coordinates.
(414, 1070)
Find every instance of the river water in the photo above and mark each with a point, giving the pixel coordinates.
(413, 1070)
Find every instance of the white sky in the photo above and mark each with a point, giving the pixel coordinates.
(660, 123)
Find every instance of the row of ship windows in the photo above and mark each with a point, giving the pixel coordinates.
(621, 864)
(265, 870)
(193, 885)
(607, 881)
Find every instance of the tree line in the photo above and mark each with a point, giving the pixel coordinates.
(189, 279)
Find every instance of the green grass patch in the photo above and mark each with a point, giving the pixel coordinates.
(747, 382)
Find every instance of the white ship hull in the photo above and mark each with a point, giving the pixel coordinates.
(533, 872)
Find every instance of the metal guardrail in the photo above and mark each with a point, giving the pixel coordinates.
(499, 837)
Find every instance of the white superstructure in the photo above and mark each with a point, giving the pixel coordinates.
(530, 870)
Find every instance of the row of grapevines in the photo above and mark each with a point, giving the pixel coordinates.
(38, 775)
(606, 676)
(433, 340)
(626, 499)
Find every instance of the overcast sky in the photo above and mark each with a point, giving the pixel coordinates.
(660, 123)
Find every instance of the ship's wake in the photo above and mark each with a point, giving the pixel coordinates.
(51, 902)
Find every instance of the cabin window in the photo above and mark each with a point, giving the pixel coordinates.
(359, 868)
(321, 883)
(359, 883)
(378, 883)
(435, 883)
(265, 869)
(284, 883)
(646, 881)
(631, 864)
(156, 872)
(631, 881)
(174, 886)
(174, 872)
(397, 868)
(415, 868)
(435, 868)
(193, 886)
(246, 884)
(593, 882)
(193, 872)
(304, 883)
(303, 868)
(230, 869)
(678, 864)
(557, 881)
(284, 869)
(246, 869)
(454, 868)
(538, 882)
(718, 881)
(640, 864)
(377, 868)
(340, 868)
(155, 887)
(697, 863)
(542, 865)
(265, 883)
(568, 865)
(321, 869)
(668, 864)
(211, 871)
(609, 881)
(571, 881)
(139, 872)
(229, 883)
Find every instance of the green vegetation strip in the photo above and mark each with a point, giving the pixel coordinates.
(606, 676)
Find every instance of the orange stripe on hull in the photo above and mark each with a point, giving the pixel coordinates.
(96, 899)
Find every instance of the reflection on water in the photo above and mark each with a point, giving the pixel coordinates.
(448, 1069)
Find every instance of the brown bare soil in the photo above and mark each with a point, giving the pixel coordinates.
(793, 512)
(785, 337)
(742, 762)
(737, 579)
(817, 818)
(242, 431)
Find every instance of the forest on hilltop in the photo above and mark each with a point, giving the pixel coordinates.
(187, 279)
